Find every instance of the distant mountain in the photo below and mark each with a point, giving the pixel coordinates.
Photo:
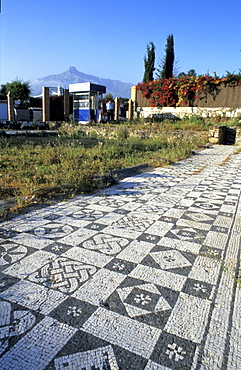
(72, 75)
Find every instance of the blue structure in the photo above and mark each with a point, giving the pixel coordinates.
(86, 101)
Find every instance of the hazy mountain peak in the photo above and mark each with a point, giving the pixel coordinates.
(72, 69)
(72, 75)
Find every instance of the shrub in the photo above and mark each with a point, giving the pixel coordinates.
(123, 133)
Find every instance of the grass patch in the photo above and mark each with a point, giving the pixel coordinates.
(40, 168)
(192, 123)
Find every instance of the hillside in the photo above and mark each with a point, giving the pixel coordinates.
(72, 75)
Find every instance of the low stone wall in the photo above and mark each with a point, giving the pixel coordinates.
(180, 112)
(149, 132)
(216, 135)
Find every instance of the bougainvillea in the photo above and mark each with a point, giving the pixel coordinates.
(173, 91)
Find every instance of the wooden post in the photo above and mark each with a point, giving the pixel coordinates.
(130, 109)
(11, 116)
(66, 104)
(116, 112)
(45, 104)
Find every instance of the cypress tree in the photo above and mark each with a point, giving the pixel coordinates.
(167, 70)
(149, 63)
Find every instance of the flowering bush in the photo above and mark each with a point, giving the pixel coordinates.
(173, 91)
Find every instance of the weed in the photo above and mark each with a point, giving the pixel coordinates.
(215, 258)
(123, 133)
(225, 160)
(2, 212)
(237, 151)
(199, 170)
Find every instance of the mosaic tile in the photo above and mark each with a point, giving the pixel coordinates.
(127, 333)
(135, 251)
(198, 288)
(71, 221)
(147, 303)
(57, 248)
(201, 218)
(7, 281)
(63, 274)
(152, 211)
(159, 277)
(174, 213)
(170, 259)
(32, 240)
(77, 237)
(228, 208)
(73, 312)
(85, 215)
(206, 208)
(149, 238)
(31, 224)
(101, 358)
(98, 289)
(14, 322)
(154, 366)
(84, 342)
(95, 226)
(223, 221)
(121, 266)
(134, 223)
(66, 208)
(142, 300)
(29, 264)
(173, 352)
(88, 256)
(191, 324)
(38, 347)
(220, 229)
(110, 218)
(7, 234)
(205, 269)
(107, 244)
(216, 239)
(53, 230)
(122, 211)
(211, 252)
(185, 233)
(33, 296)
(122, 232)
(52, 217)
(10, 253)
(159, 228)
(130, 277)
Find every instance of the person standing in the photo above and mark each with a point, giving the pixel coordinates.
(110, 110)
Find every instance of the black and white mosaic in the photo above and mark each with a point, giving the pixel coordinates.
(139, 276)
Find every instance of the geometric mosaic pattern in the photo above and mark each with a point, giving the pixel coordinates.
(138, 276)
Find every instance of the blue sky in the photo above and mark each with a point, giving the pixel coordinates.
(108, 38)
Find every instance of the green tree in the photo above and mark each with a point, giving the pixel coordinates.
(108, 97)
(166, 66)
(149, 63)
(192, 73)
(20, 89)
(182, 75)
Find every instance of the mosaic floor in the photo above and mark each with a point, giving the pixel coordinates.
(139, 276)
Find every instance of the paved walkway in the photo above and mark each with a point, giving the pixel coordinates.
(139, 276)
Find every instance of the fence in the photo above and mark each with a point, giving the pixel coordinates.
(227, 102)
(228, 97)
